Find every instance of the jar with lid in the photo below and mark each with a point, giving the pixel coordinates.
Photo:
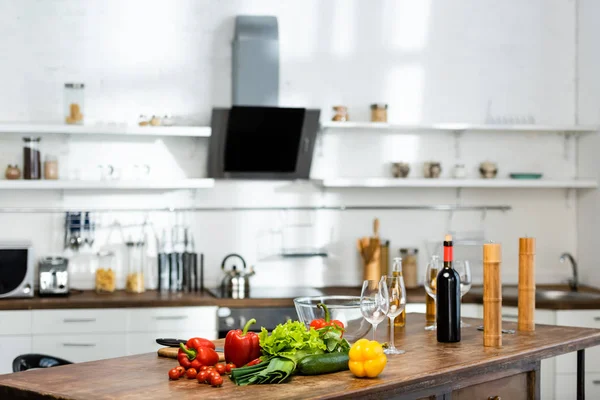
(410, 266)
(31, 158)
(136, 264)
(340, 113)
(50, 167)
(73, 98)
(105, 273)
(379, 112)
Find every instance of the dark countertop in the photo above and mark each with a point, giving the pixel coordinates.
(152, 298)
(427, 368)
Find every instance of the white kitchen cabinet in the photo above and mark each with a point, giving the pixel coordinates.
(79, 321)
(81, 347)
(15, 322)
(180, 319)
(139, 343)
(586, 319)
(10, 348)
(566, 386)
(470, 310)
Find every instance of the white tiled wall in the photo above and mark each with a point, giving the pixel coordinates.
(430, 61)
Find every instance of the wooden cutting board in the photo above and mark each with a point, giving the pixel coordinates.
(171, 352)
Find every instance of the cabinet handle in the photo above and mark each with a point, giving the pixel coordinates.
(79, 345)
(596, 382)
(170, 317)
(509, 316)
(69, 320)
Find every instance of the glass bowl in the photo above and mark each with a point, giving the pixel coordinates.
(343, 308)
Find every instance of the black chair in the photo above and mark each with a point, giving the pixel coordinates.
(31, 361)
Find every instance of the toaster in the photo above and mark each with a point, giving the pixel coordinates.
(54, 276)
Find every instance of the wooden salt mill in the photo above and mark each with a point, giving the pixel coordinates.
(492, 296)
(526, 284)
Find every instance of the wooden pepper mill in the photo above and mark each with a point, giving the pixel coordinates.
(492, 296)
(526, 284)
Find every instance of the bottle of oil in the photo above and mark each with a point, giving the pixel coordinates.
(400, 320)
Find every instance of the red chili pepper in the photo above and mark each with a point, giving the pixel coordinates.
(242, 346)
(253, 362)
(205, 355)
(325, 322)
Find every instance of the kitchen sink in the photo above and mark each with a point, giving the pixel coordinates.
(546, 294)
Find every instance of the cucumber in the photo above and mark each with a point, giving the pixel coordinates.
(318, 364)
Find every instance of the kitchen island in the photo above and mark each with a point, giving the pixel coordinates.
(464, 370)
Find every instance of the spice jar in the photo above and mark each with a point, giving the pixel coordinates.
(12, 172)
(341, 113)
(74, 103)
(136, 252)
(31, 158)
(50, 167)
(379, 112)
(410, 266)
(105, 274)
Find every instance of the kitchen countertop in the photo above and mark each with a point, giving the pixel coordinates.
(427, 367)
(152, 298)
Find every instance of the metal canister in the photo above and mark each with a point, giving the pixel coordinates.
(410, 267)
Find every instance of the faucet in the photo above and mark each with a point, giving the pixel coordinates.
(573, 283)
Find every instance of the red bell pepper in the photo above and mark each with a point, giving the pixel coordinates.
(196, 342)
(241, 347)
(327, 321)
(190, 356)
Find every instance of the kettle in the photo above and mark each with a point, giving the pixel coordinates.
(236, 283)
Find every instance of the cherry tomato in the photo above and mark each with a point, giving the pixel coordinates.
(229, 367)
(174, 374)
(191, 373)
(221, 369)
(216, 380)
(181, 370)
(203, 376)
(204, 368)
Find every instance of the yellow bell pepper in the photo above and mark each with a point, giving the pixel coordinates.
(366, 358)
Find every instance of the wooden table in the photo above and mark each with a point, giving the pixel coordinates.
(464, 370)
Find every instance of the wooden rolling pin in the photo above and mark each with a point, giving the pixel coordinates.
(492, 296)
(526, 284)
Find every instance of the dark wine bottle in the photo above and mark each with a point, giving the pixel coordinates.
(448, 298)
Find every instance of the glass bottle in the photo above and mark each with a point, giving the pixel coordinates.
(105, 274)
(31, 158)
(400, 320)
(74, 103)
(136, 254)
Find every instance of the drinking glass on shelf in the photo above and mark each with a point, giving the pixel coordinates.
(374, 302)
(397, 300)
(431, 283)
(464, 271)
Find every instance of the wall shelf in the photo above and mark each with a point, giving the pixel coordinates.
(457, 183)
(457, 127)
(106, 185)
(107, 129)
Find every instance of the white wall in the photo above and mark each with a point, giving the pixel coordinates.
(430, 61)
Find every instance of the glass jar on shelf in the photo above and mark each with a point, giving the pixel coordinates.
(136, 264)
(379, 112)
(105, 273)
(50, 167)
(31, 158)
(74, 96)
(340, 114)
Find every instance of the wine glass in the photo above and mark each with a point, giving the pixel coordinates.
(464, 271)
(397, 299)
(374, 302)
(431, 283)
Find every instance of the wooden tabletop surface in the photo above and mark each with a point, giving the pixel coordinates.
(152, 298)
(425, 364)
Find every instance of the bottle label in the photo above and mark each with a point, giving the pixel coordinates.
(448, 256)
